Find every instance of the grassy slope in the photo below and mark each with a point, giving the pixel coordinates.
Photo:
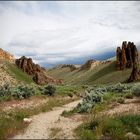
(105, 73)
(18, 74)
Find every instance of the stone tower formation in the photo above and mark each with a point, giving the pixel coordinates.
(126, 56)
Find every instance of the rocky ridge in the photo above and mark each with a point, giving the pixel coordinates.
(88, 65)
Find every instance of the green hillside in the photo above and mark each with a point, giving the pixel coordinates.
(105, 73)
(18, 74)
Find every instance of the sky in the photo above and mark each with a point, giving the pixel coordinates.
(58, 32)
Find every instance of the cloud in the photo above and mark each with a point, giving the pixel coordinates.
(59, 32)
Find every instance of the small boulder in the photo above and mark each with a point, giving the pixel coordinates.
(130, 136)
(27, 120)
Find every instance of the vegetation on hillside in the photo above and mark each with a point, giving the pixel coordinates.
(18, 74)
(102, 74)
(99, 98)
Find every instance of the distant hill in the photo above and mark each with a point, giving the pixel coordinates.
(101, 74)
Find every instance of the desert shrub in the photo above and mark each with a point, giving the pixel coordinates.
(89, 101)
(136, 91)
(70, 95)
(49, 90)
(5, 90)
(119, 88)
(22, 92)
(120, 100)
(84, 86)
(113, 128)
(94, 95)
(128, 95)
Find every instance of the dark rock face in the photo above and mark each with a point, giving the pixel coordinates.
(135, 74)
(27, 65)
(127, 56)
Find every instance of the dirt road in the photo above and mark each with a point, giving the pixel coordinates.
(46, 125)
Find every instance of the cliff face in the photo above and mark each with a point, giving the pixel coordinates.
(126, 56)
(39, 76)
(6, 56)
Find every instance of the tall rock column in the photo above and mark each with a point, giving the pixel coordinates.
(135, 74)
(118, 58)
(124, 60)
(127, 56)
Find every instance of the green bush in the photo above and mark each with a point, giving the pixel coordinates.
(70, 95)
(90, 100)
(120, 100)
(96, 95)
(49, 90)
(23, 92)
(5, 90)
(113, 128)
(136, 91)
(128, 95)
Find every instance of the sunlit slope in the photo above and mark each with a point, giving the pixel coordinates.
(104, 73)
(20, 76)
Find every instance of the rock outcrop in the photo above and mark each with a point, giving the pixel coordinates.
(39, 76)
(6, 56)
(126, 56)
(90, 64)
(27, 65)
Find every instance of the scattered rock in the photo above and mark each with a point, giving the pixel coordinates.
(130, 136)
(27, 120)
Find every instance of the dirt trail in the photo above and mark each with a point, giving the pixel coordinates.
(42, 124)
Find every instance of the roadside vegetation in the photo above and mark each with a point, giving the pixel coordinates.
(24, 91)
(11, 122)
(99, 99)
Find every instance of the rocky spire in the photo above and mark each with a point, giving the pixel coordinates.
(126, 56)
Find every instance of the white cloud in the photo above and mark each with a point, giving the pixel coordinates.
(55, 32)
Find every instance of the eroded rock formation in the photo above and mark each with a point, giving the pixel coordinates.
(6, 56)
(27, 65)
(127, 56)
(39, 76)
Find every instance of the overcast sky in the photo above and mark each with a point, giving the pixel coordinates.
(67, 32)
